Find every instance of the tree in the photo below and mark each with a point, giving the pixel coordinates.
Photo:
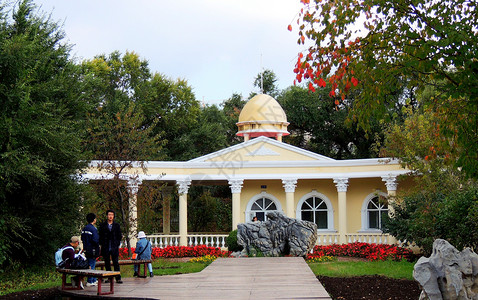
(41, 125)
(119, 135)
(316, 124)
(266, 83)
(424, 216)
(379, 47)
(231, 109)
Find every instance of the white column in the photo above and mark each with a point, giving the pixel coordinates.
(183, 210)
(289, 187)
(133, 187)
(236, 187)
(391, 184)
(342, 184)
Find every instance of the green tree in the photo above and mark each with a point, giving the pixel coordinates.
(231, 109)
(266, 82)
(379, 47)
(424, 216)
(174, 105)
(41, 125)
(316, 124)
(119, 134)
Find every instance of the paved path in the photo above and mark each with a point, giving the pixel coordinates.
(229, 278)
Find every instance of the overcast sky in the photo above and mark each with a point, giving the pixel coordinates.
(216, 45)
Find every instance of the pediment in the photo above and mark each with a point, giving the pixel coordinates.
(261, 149)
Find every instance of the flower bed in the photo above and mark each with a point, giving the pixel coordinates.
(180, 251)
(363, 250)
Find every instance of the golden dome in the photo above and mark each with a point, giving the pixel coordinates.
(262, 116)
(262, 108)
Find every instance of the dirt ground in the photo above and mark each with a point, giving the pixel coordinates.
(370, 288)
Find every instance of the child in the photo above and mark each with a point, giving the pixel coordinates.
(143, 249)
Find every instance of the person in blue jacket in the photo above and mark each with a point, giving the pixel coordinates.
(91, 245)
(143, 249)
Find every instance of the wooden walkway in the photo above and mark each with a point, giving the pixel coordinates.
(227, 278)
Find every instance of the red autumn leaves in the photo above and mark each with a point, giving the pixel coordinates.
(305, 70)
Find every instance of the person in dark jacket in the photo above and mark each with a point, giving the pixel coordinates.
(110, 239)
(68, 255)
(91, 244)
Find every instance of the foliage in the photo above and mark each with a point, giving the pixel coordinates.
(150, 203)
(231, 109)
(231, 242)
(266, 83)
(173, 105)
(363, 250)
(119, 133)
(206, 134)
(318, 125)
(425, 216)
(42, 108)
(381, 47)
(209, 209)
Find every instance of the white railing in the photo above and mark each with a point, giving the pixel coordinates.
(327, 239)
(165, 240)
(370, 238)
(211, 240)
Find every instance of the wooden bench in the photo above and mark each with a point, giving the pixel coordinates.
(144, 262)
(100, 274)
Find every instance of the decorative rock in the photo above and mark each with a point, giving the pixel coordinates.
(448, 273)
(279, 235)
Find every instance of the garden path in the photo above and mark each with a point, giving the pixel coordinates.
(229, 278)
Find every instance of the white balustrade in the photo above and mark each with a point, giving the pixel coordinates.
(211, 240)
(370, 238)
(327, 239)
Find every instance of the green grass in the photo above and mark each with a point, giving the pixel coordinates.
(392, 269)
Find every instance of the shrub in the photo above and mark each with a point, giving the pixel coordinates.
(231, 242)
(425, 216)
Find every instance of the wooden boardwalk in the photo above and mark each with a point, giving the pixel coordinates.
(228, 278)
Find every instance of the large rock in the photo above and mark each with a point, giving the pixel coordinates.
(279, 235)
(448, 273)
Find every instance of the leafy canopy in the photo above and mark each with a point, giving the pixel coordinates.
(378, 47)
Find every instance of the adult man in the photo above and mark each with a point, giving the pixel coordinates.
(91, 245)
(110, 239)
(68, 255)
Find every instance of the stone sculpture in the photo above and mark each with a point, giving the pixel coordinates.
(277, 236)
(448, 273)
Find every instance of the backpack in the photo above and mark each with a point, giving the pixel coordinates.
(58, 256)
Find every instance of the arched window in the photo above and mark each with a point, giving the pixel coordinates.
(317, 208)
(260, 204)
(374, 208)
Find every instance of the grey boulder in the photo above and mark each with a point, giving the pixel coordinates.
(278, 236)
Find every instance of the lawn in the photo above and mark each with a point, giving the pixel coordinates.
(387, 268)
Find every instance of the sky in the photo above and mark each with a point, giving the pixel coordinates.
(218, 46)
